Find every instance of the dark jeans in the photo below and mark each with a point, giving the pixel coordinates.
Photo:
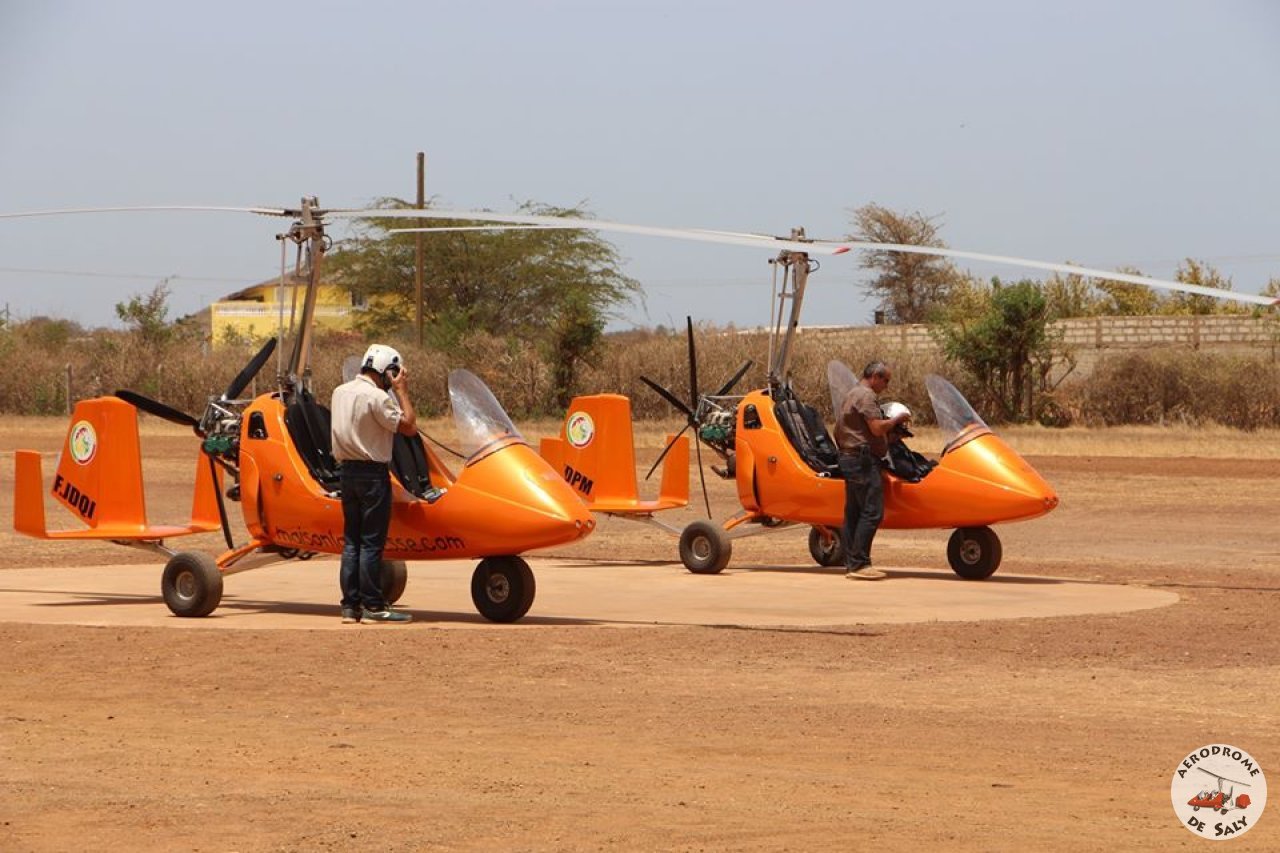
(863, 506)
(366, 515)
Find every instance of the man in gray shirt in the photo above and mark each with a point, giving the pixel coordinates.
(365, 419)
(861, 430)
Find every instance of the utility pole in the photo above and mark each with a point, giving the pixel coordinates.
(417, 277)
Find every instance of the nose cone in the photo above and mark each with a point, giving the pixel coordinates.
(521, 497)
(1000, 485)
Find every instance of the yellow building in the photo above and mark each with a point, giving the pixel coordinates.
(255, 313)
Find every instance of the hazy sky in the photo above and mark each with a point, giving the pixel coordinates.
(1103, 133)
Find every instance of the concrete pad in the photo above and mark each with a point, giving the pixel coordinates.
(305, 595)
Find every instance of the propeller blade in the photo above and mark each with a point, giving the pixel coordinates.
(693, 367)
(702, 476)
(222, 507)
(735, 379)
(251, 369)
(670, 398)
(665, 450)
(160, 410)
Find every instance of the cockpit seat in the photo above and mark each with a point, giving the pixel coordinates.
(308, 424)
(808, 434)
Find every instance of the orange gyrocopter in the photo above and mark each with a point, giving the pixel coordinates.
(506, 499)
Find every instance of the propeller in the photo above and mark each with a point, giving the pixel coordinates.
(198, 426)
(692, 410)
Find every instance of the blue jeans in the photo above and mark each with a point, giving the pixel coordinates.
(366, 515)
(863, 506)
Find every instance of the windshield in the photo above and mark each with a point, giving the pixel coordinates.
(477, 414)
(840, 380)
(951, 409)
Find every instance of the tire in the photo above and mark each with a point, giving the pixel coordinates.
(974, 552)
(502, 588)
(191, 584)
(704, 548)
(394, 577)
(826, 552)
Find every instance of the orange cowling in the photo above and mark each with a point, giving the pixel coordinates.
(981, 482)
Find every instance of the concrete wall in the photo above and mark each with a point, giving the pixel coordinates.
(1093, 337)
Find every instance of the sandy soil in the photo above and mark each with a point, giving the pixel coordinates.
(1047, 733)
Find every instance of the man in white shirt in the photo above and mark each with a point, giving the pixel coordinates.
(365, 418)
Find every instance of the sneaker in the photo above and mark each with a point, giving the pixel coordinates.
(388, 615)
(433, 494)
(350, 615)
(865, 573)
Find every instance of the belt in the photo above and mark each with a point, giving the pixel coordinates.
(362, 465)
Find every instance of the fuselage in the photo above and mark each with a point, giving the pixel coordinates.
(978, 481)
(505, 500)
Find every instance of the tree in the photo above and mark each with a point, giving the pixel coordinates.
(146, 315)
(911, 287)
(552, 287)
(1197, 272)
(1126, 300)
(1071, 295)
(1008, 349)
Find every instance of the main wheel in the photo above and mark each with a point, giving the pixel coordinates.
(705, 548)
(394, 577)
(974, 552)
(502, 588)
(191, 584)
(828, 550)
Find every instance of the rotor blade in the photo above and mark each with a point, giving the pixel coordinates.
(448, 228)
(160, 410)
(702, 476)
(670, 398)
(665, 450)
(693, 367)
(244, 377)
(816, 247)
(735, 379)
(1070, 269)
(65, 211)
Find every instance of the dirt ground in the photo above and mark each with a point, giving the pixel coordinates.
(1014, 734)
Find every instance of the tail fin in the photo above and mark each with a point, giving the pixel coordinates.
(596, 455)
(99, 479)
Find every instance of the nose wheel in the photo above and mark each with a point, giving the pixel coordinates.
(502, 588)
(974, 552)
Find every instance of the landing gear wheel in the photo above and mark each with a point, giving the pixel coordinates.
(394, 577)
(191, 584)
(502, 588)
(826, 551)
(705, 548)
(974, 552)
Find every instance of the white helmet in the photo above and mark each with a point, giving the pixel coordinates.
(379, 357)
(892, 410)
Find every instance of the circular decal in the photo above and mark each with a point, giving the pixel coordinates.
(1218, 792)
(83, 441)
(580, 429)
